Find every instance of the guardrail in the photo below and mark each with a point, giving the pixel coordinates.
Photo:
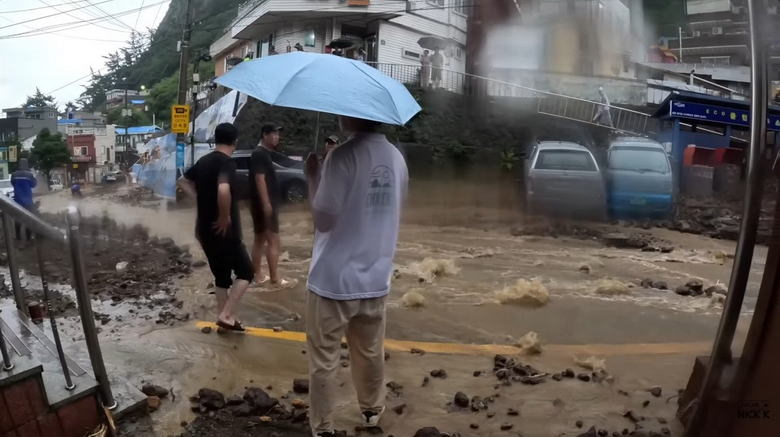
(14, 215)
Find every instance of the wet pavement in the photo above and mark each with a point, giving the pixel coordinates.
(649, 337)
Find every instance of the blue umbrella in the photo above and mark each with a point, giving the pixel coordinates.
(324, 83)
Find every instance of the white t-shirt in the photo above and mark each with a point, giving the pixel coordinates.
(363, 183)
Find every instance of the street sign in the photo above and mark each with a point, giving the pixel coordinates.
(180, 119)
(718, 114)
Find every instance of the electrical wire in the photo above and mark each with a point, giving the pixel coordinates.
(72, 25)
(121, 23)
(49, 16)
(139, 14)
(79, 18)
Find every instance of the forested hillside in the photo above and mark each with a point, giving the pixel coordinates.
(150, 59)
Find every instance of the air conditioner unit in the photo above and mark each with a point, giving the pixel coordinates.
(717, 30)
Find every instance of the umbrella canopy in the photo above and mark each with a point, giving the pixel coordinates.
(324, 83)
(433, 43)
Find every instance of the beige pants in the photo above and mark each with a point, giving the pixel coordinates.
(363, 322)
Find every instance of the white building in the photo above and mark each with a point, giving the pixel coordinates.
(388, 30)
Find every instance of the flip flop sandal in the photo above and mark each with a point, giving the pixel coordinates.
(236, 326)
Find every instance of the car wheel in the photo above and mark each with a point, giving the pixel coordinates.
(295, 192)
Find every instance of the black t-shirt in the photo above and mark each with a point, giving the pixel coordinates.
(207, 173)
(261, 163)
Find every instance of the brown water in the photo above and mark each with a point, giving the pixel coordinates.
(465, 218)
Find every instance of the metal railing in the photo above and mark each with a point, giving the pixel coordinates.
(623, 120)
(14, 215)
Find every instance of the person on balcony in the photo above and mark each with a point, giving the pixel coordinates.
(437, 61)
(425, 70)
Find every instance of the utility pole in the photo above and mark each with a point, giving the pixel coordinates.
(184, 60)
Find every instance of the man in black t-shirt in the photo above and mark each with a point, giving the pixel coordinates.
(264, 196)
(212, 182)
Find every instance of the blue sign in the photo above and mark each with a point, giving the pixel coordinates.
(180, 149)
(717, 114)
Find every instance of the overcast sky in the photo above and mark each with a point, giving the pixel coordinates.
(54, 60)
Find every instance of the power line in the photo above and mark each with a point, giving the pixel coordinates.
(49, 16)
(121, 23)
(139, 14)
(71, 25)
(70, 3)
(69, 83)
(76, 16)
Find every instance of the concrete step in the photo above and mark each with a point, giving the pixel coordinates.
(30, 345)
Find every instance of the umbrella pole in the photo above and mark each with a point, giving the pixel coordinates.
(317, 133)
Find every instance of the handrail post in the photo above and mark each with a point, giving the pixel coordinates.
(13, 268)
(52, 318)
(7, 364)
(73, 221)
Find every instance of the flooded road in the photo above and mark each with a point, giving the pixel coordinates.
(458, 250)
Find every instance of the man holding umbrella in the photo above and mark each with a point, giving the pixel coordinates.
(356, 200)
(356, 205)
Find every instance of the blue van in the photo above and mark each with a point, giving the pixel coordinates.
(639, 178)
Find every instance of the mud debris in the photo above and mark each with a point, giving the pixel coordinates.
(301, 385)
(530, 343)
(428, 432)
(524, 293)
(591, 363)
(430, 269)
(415, 351)
(439, 373)
(655, 391)
(611, 287)
(413, 299)
(154, 390)
(461, 400)
(153, 403)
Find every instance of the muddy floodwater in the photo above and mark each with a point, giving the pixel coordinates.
(470, 282)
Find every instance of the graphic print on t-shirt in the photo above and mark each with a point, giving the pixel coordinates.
(380, 191)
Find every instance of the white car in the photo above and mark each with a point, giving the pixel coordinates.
(6, 188)
(55, 185)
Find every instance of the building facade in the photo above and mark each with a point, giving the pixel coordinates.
(20, 127)
(388, 31)
(570, 47)
(716, 33)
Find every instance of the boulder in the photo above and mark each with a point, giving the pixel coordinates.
(461, 400)
(211, 399)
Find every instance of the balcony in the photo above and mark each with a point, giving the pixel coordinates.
(254, 17)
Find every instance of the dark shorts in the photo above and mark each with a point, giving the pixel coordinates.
(227, 256)
(262, 224)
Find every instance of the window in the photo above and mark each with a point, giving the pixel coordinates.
(638, 159)
(436, 2)
(716, 60)
(309, 40)
(409, 54)
(462, 6)
(565, 160)
(458, 53)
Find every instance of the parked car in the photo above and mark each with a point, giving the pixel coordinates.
(55, 185)
(113, 176)
(639, 179)
(563, 179)
(289, 175)
(6, 188)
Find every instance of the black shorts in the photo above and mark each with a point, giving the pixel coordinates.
(262, 224)
(227, 256)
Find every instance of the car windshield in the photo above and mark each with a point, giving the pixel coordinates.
(638, 159)
(565, 160)
(6, 183)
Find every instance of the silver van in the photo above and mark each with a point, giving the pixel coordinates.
(639, 179)
(563, 179)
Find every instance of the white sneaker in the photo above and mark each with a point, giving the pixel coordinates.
(371, 418)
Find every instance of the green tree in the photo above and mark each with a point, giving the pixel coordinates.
(162, 96)
(138, 118)
(39, 100)
(49, 151)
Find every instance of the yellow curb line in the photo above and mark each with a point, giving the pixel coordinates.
(492, 349)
